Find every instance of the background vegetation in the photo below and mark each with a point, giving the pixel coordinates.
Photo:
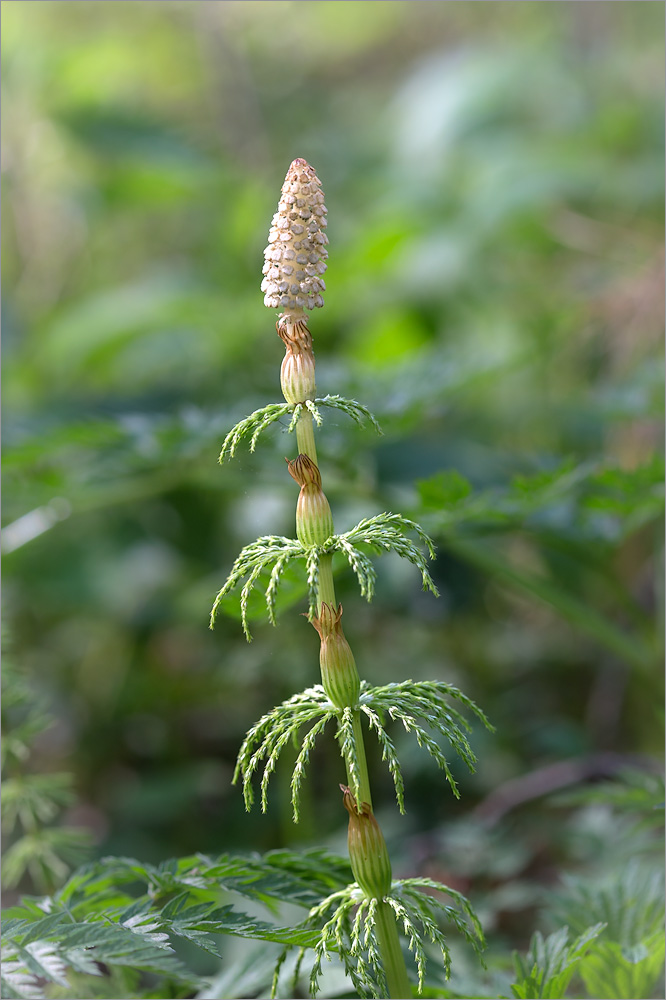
(494, 179)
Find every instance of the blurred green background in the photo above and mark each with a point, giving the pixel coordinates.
(494, 179)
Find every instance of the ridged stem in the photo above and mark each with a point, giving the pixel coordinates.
(388, 941)
(305, 437)
(326, 588)
(363, 776)
(285, 285)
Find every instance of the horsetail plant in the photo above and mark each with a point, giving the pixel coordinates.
(361, 923)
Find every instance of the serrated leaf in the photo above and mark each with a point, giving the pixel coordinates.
(546, 970)
(94, 919)
(630, 903)
(201, 923)
(610, 971)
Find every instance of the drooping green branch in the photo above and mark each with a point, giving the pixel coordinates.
(267, 738)
(348, 920)
(252, 426)
(383, 533)
(272, 553)
(419, 706)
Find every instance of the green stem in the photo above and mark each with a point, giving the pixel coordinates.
(305, 437)
(388, 939)
(393, 960)
(326, 587)
(363, 776)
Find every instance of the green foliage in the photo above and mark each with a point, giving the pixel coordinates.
(621, 907)
(258, 421)
(496, 297)
(126, 914)
(604, 503)
(620, 954)
(46, 855)
(31, 802)
(382, 533)
(348, 926)
(550, 963)
(628, 960)
(625, 973)
(637, 794)
(412, 703)
(603, 507)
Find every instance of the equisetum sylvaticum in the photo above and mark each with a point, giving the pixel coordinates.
(365, 923)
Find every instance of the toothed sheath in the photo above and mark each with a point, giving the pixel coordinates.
(368, 853)
(338, 667)
(314, 521)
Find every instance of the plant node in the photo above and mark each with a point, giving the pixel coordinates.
(347, 922)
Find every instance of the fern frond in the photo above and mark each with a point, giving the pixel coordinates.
(44, 951)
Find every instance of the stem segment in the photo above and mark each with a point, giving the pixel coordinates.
(388, 941)
(305, 437)
(287, 238)
(364, 778)
(326, 588)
